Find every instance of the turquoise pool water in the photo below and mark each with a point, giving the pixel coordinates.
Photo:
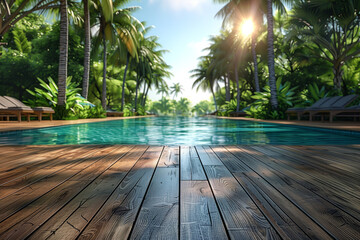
(180, 131)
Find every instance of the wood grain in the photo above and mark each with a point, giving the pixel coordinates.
(24, 222)
(199, 215)
(325, 214)
(191, 168)
(73, 218)
(116, 217)
(159, 213)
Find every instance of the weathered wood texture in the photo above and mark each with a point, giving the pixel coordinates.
(187, 192)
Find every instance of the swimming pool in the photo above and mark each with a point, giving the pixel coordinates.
(179, 131)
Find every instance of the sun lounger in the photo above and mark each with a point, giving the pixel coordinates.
(300, 111)
(240, 113)
(337, 104)
(12, 107)
(113, 113)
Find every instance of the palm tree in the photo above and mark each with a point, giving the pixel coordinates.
(239, 10)
(114, 26)
(63, 56)
(271, 55)
(87, 44)
(163, 89)
(202, 79)
(176, 89)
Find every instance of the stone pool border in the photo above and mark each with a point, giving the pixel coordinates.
(20, 126)
(343, 126)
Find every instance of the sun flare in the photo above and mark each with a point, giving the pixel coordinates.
(247, 27)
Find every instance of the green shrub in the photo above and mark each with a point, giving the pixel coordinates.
(262, 108)
(229, 107)
(47, 96)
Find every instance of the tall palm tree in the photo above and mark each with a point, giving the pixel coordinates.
(271, 55)
(115, 26)
(236, 11)
(176, 89)
(63, 56)
(87, 44)
(236, 8)
(202, 79)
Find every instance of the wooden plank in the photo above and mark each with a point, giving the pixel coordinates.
(310, 178)
(73, 218)
(116, 218)
(199, 215)
(207, 156)
(13, 203)
(323, 171)
(242, 217)
(169, 157)
(24, 222)
(190, 165)
(306, 223)
(29, 163)
(56, 164)
(283, 224)
(18, 154)
(159, 214)
(331, 218)
(333, 166)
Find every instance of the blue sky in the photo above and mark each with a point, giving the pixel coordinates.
(183, 27)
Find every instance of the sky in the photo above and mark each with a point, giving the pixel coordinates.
(183, 28)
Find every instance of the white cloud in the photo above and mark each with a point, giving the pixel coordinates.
(181, 4)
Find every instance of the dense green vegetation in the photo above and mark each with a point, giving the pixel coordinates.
(293, 57)
(316, 54)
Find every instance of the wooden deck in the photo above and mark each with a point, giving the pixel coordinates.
(156, 192)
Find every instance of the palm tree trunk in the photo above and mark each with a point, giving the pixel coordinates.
(238, 89)
(256, 75)
(271, 56)
(85, 84)
(226, 92)
(212, 91)
(147, 90)
(136, 91)
(227, 88)
(103, 94)
(337, 76)
(63, 57)
(124, 79)
(142, 97)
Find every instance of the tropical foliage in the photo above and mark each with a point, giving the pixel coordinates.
(312, 48)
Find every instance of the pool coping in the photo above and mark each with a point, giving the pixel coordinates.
(342, 126)
(11, 126)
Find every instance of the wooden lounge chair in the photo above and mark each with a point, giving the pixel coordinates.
(12, 107)
(336, 108)
(300, 111)
(240, 113)
(113, 113)
(353, 112)
(39, 112)
(9, 109)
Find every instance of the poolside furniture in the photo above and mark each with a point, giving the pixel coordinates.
(114, 113)
(12, 107)
(301, 110)
(324, 105)
(333, 107)
(240, 113)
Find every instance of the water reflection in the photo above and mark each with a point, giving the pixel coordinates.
(178, 131)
